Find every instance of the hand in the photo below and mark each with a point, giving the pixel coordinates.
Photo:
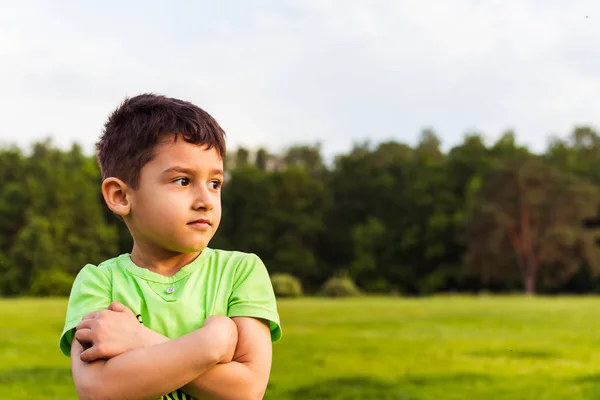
(109, 332)
(225, 332)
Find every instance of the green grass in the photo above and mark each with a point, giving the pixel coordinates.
(371, 348)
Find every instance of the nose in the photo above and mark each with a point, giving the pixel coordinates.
(203, 199)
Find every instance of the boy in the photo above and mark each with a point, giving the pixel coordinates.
(174, 319)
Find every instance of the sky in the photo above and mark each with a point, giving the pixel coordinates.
(285, 72)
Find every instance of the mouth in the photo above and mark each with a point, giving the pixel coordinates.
(200, 223)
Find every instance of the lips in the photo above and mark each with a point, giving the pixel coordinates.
(200, 223)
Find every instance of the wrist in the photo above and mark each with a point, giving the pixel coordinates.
(209, 346)
(148, 338)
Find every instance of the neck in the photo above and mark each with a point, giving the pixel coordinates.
(162, 262)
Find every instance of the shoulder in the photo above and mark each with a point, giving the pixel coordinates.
(234, 260)
(231, 256)
(252, 292)
(239, 266)
(103, 271)
(91, 291)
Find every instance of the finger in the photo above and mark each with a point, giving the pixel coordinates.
(118, 307)
(84, 336)
(85, 324)
(90, 354)
(77, 348)
(91, 315)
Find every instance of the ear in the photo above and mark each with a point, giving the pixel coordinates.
(115, 193)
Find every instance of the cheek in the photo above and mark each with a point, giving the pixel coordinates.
(217, 205)
(217, 210)
(163, 209)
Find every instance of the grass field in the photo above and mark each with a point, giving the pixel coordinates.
(371, 348)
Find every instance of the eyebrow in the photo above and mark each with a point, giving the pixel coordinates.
(189, 171)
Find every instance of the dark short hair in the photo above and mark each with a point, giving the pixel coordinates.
(134, 129)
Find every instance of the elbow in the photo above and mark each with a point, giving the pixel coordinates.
(250, 391)
(259, 395)
(257, 392)
(89, 390)
(84, 391)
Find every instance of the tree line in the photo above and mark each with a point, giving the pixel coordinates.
(393, 218)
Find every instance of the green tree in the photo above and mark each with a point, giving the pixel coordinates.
(368, 239)
(62, 225)
(527, 214)
(278, 215)
(261, 159)
(308, 157)
(242, 157)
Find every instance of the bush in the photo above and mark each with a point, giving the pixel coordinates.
(378, 286)
(340, 286)
(286, 285)
(53, 282)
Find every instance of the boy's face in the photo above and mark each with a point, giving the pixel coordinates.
(177, 206)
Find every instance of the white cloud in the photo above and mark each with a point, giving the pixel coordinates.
(276, 73)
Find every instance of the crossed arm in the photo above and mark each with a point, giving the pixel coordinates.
(225, 359)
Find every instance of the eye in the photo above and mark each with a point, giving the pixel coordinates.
(215, 184)
(182, 181)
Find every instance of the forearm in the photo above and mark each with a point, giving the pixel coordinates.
(230, 381)
(144, 373)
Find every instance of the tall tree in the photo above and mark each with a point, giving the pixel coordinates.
(261, 159)
(63, 225)
(528, 214)
(308, 157)
(278, 215)
(242, 157)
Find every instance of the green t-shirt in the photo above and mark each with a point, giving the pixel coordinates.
(217, 282)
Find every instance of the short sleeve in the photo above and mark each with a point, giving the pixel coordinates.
(253, 295)
(91, 291)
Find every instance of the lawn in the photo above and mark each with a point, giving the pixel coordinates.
(371, 348)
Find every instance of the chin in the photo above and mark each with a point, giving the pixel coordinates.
(192, 248)
(187, 244)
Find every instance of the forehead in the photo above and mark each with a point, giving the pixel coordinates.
(170, 152)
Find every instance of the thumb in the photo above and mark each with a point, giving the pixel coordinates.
(89, 355)
(118, 307)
